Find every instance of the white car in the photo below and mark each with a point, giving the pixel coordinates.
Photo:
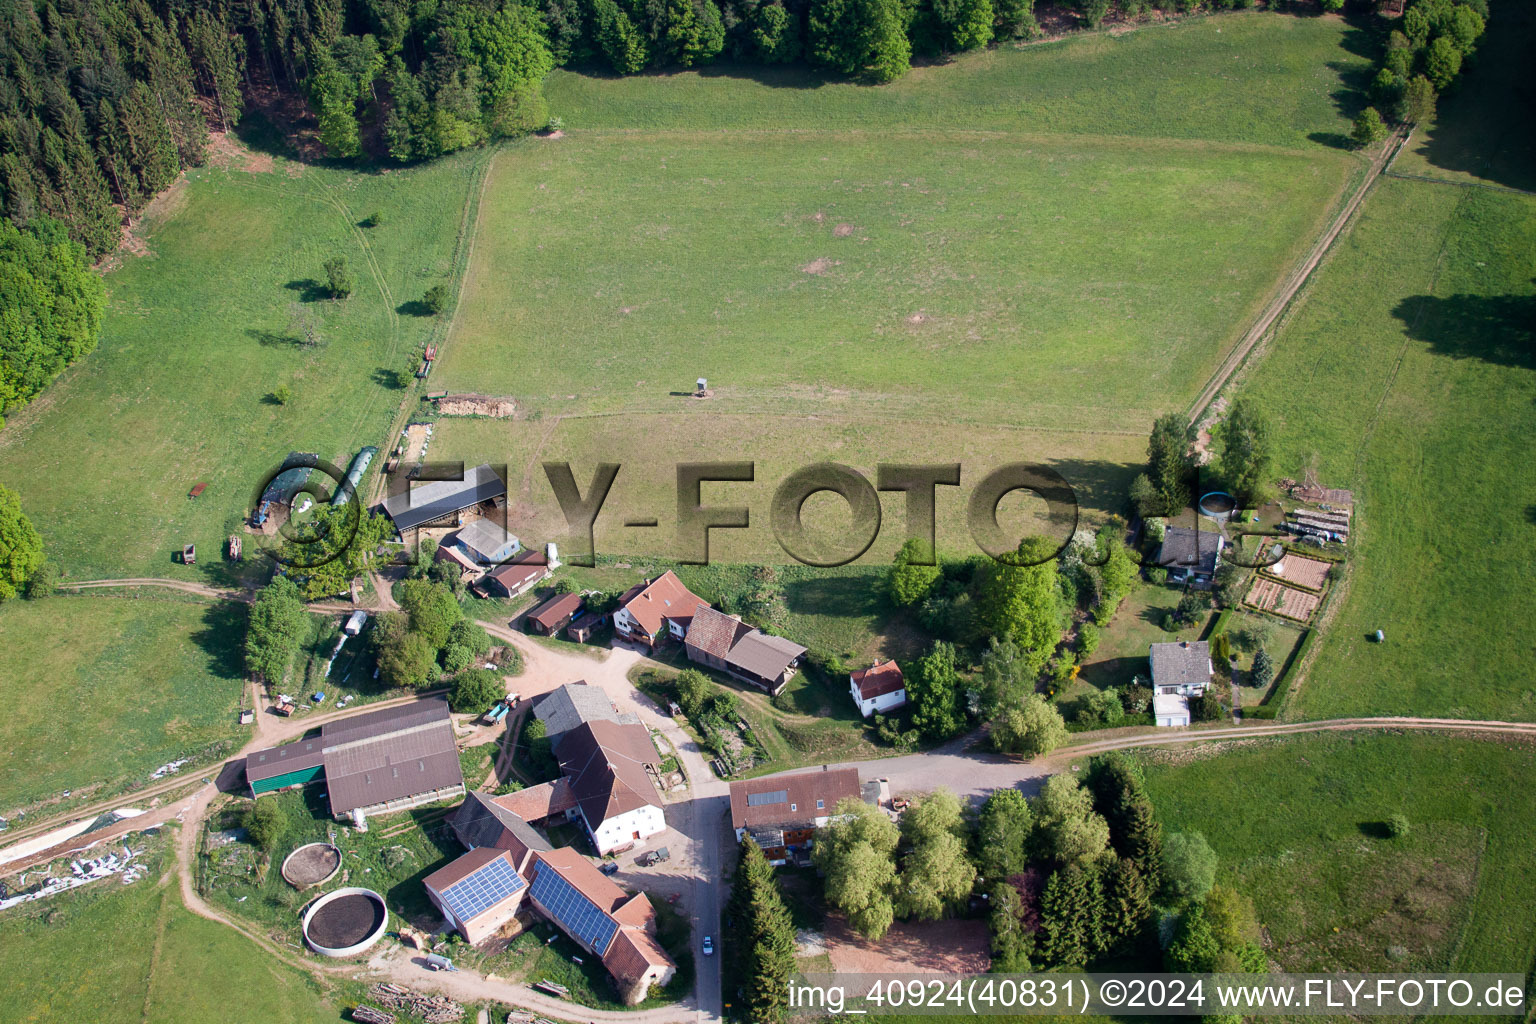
(709, 946)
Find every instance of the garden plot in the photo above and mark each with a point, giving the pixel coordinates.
(1308, 573)
(1272, 596)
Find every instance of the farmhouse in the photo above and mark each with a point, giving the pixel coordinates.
(609, 766)
(554, 615)
(565, 707)
(879, 688)
(517, 577)
(726, 643)
(652, 612)
(606, 759)
(1191, 556)
(374, 763)
(510, 868)
(1179, 671)
(440, 502)
(782, 813)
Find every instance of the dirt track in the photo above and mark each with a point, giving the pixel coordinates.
(1298, 277)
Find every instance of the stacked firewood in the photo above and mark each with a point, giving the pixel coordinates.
(430, 1008)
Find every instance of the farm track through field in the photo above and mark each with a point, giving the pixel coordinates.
(1298, 278)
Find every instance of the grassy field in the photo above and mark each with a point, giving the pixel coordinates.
(198, 336)
(138, 683)
(1407, 374)
(1299, 826)
(998, 278)
(123, 956)
(1098, 465)
(1251, 77)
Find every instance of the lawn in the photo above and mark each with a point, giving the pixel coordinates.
(997, 277)
(1299, 826)
(198, 336)
(126, 955)
(139, 682)
(392, 858)
(1406, 374)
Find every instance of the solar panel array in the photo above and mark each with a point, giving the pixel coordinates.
(578, 916)
(778, 796)
(482, 890)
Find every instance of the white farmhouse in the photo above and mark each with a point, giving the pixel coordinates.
(1179, 671)
(878, 689)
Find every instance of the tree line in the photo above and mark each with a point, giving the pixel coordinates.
(104, 102)
(1422, 59)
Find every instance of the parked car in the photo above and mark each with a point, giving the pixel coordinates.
(609, 867)
(709, 946)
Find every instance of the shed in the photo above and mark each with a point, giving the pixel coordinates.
(553, 615)
(198, 488)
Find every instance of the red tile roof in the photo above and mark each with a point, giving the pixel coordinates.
(633, 952)
(714, 632)
(663, 597)
(556, 608)
(878, 680)
(791, 799)
(605, 762)
(538, 802)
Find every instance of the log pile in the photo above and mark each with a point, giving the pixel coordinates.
(371, 1015)
(431, 1009)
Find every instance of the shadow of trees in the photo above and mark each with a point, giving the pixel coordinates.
(1494, 328)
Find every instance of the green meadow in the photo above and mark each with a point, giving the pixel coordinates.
(1299, 826)
(101, 691)
(1406, 374)
(127, 955)
(200, 334)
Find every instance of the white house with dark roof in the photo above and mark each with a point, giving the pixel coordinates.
(1191, 556)
(1180, 670)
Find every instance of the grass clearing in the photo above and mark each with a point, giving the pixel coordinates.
(997, 278)
(1299, 825)
(126, 955)
(1426, 413)
(138, 682)
(1246, 77)
(197, 336)
(1099, 465)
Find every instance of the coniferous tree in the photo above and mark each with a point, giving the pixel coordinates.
(763, 935)
(1067, 934)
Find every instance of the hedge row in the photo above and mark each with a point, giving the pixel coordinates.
(1276, 699)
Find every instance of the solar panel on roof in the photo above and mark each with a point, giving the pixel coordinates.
(482, 890)
(778, 796)
(572, 911)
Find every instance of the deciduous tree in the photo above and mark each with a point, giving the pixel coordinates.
(936, 875)
(856, 854)
(1033, 728)
(21, 546)
(1002, 834)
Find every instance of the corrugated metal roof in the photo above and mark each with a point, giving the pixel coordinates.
(424, 502)
(763, 655)
(290, 757)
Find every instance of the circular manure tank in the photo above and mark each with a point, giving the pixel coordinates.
(345, 922)
(311, 864)
(1217, 505)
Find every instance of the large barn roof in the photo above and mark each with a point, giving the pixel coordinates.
(424, 502)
